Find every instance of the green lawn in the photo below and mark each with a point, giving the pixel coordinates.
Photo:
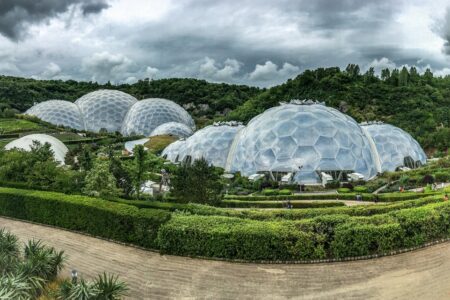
(17, 125)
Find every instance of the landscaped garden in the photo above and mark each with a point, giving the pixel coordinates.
(34, 272)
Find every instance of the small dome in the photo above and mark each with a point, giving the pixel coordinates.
(105, 109)
(395, 147)
(212, 143)
(59, 149)
(58, 112)
(179, 130)
(144, 116)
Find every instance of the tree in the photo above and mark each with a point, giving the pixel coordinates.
(85, 159)
(138, 169)
(123, 177)
(385, 74)
(198, 183)
(100, 182)
(403, 77)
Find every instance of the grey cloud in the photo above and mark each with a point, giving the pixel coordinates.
(444, 31)
(17, 15)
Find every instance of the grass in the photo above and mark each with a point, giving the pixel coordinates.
(16, 125)
(158, 143)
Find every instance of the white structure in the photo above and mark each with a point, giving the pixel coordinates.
(146, 115)
(59, 149)
(58, 112)
(129, 146)
(105, 109)
(212, 143)
(179, 130)
(303, 138)
(396, 148)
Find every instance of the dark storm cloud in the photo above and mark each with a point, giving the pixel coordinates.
(17, 15)
(444, 32)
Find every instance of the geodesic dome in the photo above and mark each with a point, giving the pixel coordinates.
(179, 130)
(144, 116)
(25, 143)
(58, 112)
(311, 136)
(212, 143)
(395, 147)
(172, 151)
(105, 109)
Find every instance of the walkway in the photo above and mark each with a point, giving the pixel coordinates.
(423, 274)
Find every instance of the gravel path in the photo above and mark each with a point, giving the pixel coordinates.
(423, 274)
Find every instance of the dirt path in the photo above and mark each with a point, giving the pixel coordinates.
(423, 274)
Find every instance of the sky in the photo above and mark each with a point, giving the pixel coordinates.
(253, 42)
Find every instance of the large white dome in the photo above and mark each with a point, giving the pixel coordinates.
(144, 116)
(212, 143)
(313, 136)
(173, 151)
(58, 112)
(105, 109)
(59, 149)
(395, 147)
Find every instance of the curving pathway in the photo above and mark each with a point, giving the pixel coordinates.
(423, 274)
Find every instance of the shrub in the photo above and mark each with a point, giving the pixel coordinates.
(343, 190)
(235, 238)
(441, 176)
(270, 192)
(284, 192)
(94, 216)
(428, 179)
(334, 184)
(360, 189)
(278, 204)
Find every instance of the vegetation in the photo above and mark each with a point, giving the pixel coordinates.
(158, 143)
(27, 274)
(197, 182)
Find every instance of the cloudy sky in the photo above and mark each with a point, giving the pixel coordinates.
(253, 42)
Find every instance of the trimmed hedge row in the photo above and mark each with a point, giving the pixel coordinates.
(334, 236)
(385, 197)
(94, 216)
(278, 204)
(287, 214)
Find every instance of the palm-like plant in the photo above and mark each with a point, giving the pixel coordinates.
(109, 287)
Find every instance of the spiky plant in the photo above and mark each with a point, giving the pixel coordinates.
(109, 287)
(42, 261)
(20, 286)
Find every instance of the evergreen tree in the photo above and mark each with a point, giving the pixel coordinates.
(139, 168)
(198, 183)
(100, 182)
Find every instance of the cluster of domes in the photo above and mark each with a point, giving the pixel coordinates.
(113, 111)
(303, 137)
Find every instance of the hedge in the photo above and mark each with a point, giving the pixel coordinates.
(278, 204)
(308, 234)
(236, 238)
(94, 216)
(385, 197)
(334, 236)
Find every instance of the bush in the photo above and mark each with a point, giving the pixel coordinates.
(343, 190)
(270, 192)
(235, 238)
(94, 216)
(334, 184)
(360, 189)
(284, 192)
(278, 204)
(441, 176)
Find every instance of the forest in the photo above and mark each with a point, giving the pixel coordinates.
(418, 103)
